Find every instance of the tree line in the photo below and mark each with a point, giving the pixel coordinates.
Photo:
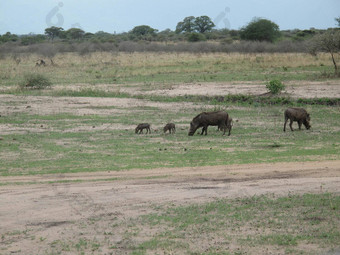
(262, 32)
(192, 29)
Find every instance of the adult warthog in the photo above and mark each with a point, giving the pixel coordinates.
(139, 129)
(299, 115)
(205, 119)
(170, 127)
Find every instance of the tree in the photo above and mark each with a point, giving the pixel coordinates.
(143, 30)
(203, 24)
(53, 32)
(338, 21)
(9, 37)
(260, 30)
(32, 39)
(186, 26)
(75, 33)
(191, 24)
(328, 42)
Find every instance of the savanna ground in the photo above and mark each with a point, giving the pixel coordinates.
(76, 179)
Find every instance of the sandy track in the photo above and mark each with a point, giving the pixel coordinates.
(51, 209)
(295, 89)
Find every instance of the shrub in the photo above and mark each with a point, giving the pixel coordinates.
(35, 81)
(275, 86)
(260, 30)
(196, 37)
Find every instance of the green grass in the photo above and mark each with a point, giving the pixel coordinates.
(64, 143)
(296, 224)
(244, 225)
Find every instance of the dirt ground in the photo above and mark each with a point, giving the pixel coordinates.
(36, 212)
(295, 89)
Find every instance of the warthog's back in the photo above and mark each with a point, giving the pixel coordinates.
(211, 118)
(295, 113)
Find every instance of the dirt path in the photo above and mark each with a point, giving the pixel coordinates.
(295, 89)
(37, 210)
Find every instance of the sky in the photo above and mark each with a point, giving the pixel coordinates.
(33, 16)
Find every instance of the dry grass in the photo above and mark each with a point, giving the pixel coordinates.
(163, 68)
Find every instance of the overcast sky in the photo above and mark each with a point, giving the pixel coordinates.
(33, 16)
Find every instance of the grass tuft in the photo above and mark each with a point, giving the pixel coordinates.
(35, 81)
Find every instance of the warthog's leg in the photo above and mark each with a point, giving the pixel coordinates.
(203, 129)
(206, 130)
(284, 126)
(290, 124)
(222, 126)
(299, 123)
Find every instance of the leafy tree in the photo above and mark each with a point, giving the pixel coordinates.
(191, 24)
(203, 24)
(8, 37)
(32, 39)
(328, 42)
(143, 30)
(75, 33)
(166, 35)
(187, 25)
(260, 30)
(338, 21)
(53, 32)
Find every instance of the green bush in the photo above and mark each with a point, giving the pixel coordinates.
(196, 37)
(35, 81)
(275, 86)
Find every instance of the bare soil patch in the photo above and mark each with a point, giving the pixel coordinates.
(81, 106)
(35, 213)
(44, 105)
(295, 89)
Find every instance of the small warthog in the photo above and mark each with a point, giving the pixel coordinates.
(205, 119)
(139, 129)
(297, 114)
(170, 127)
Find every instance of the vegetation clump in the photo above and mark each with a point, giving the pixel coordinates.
(35, 81)
(260, 30)
(275, 86)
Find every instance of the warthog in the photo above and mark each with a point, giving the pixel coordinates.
(297, 114)
(205, 119)
(170, 127)
(139, 129)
